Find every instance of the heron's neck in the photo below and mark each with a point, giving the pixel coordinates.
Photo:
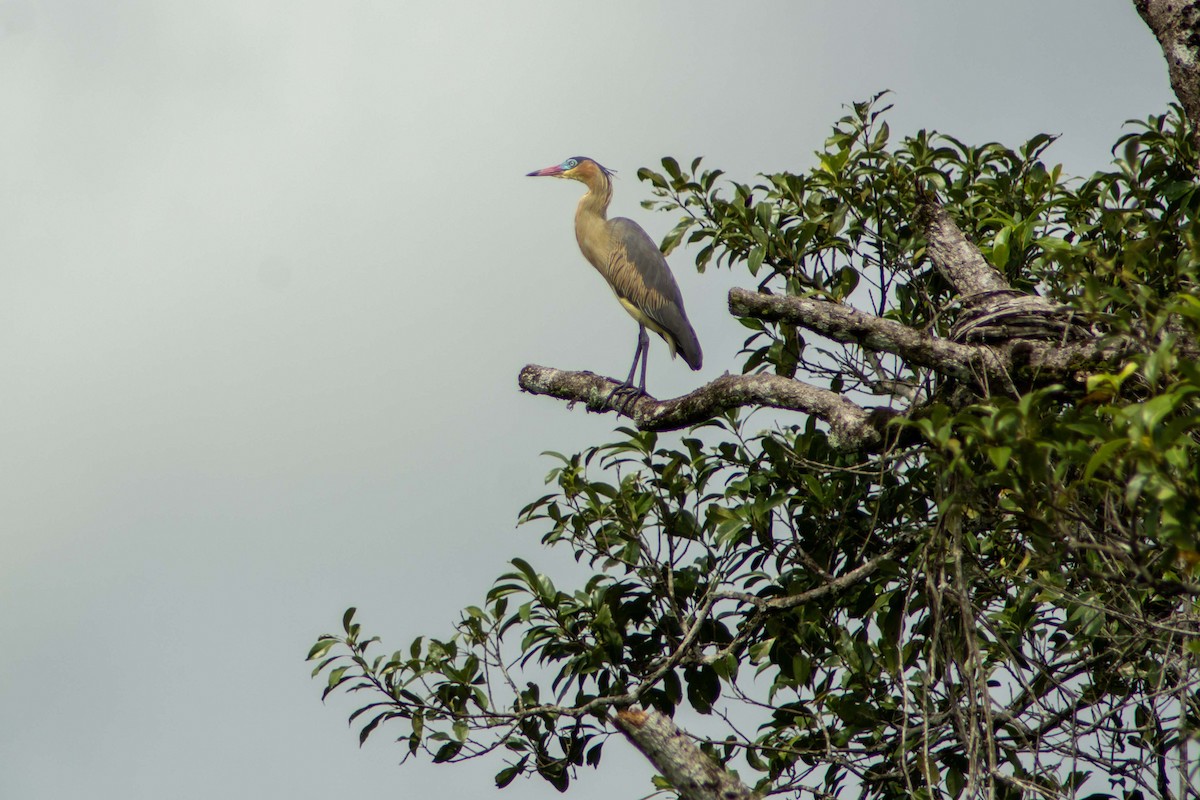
(594, 204)
(590, 225)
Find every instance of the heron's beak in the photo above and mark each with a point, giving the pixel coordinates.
(553, 172)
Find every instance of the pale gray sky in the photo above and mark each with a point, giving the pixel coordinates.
(268, 274)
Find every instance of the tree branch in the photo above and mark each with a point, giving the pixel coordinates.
(1032, 361)
(955, 256)
(993, 310)
(1176, 25)
(833, 586)
(1014, 358)
(677, 758)
(851, 426)
(848, 325)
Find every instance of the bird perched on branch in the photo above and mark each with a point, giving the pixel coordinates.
(632, 264)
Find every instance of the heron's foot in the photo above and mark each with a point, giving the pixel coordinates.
(625, 396)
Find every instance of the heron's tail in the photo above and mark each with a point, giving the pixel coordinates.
(689, 347)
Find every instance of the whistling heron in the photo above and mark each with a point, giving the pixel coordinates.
(632, 264)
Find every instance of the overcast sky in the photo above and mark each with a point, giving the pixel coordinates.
(268, 272)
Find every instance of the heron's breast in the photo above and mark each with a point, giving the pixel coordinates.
(594, 242)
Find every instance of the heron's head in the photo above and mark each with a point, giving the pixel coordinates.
(578, 168)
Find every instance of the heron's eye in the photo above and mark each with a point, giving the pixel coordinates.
(570, 163)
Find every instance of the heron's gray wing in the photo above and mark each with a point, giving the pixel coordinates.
(639, 275)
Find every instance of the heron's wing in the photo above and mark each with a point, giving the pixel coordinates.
(640, 276)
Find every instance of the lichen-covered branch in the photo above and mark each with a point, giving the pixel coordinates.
(1043, 361)
(1176, 25)
(677, 758)
(955, 256)
(1015, 357)
(851, 427)
(847, 325)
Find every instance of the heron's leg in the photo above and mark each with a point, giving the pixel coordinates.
(627, 388)
(644, 343)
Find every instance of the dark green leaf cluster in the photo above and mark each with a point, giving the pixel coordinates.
(1001, 602)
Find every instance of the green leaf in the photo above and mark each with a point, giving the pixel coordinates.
(1000, 247)
(754, 262)
(999, 456)
(1102, 456)
(446, 752)
(320, 648)
(370, 727)
(505, 776)
(672, 168)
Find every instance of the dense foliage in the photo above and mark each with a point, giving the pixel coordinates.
(1001, 600)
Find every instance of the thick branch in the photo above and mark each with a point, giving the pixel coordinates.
(850, 326)
(677, 758)
(955, 256)
(992, 310)
(1043, 361)
(850, 425)
(1176, 25)
(1014, 359)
